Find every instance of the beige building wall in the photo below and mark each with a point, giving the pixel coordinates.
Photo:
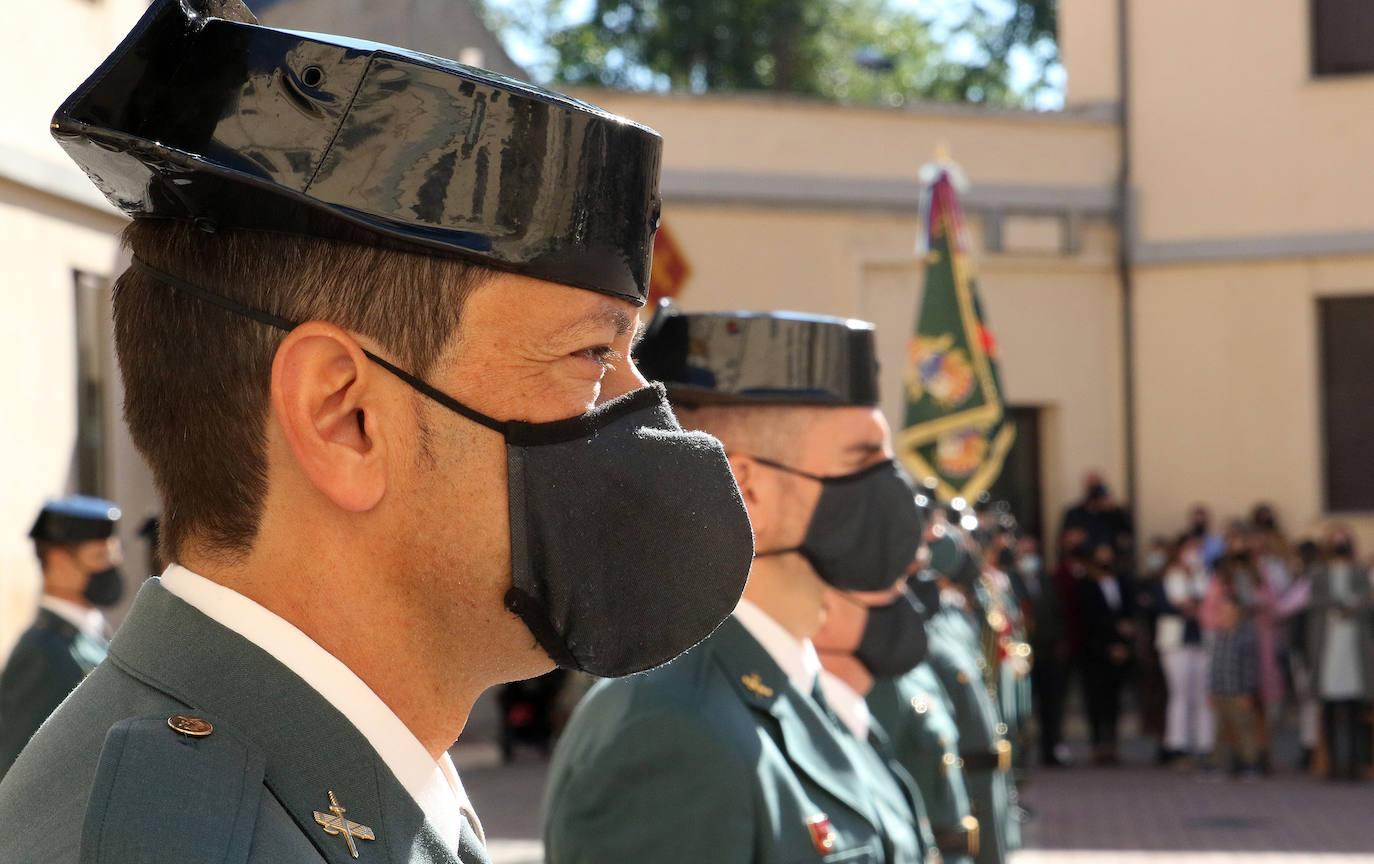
(62, 42)
(783, 136)
(1251, 203)
(1088, 49)
(1229, 397)
(789, 204)
(1232, 135)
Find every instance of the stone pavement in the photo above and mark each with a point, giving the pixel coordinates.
(1147, 814)
(1132, 815)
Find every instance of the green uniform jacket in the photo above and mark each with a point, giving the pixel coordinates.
(108, 781)
(898, 803)
(47, 663)
(955, 663)
(916, 712)
(715, 757)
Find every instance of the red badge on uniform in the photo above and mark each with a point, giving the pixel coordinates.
(822, 835)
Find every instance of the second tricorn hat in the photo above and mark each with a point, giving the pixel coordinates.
(75, 519)
(200, 114)
(785, 358)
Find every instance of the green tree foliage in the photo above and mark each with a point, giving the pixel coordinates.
(849, 50)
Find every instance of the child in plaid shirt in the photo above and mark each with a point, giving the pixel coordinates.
(1234, 680)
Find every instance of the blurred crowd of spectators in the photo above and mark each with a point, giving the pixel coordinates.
(1226, 637)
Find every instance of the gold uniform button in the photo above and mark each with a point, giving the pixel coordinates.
(919, 704)
(962, 677)
(1001, 728)
(193, 726)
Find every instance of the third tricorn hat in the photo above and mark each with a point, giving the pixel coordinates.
(202, 115)
(785, 358)
(75, 519)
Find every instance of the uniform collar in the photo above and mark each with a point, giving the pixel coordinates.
(310, 748)
(88, 620)
(847, 704)
(434, 785)
(809, 740)
(796, 657)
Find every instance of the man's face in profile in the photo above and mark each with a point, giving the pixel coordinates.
(526, 350)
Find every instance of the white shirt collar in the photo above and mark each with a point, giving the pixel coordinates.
(433, 784)
(847, 703)
(797, 657)
(87, 620)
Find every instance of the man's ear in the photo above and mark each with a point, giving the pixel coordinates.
(750, 479)
(325, 399)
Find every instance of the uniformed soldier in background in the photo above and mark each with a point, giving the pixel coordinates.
(1004, 634)
(955, 656)
(374, 346)
(80, 557)
(868, 636)
(728, 754)
(919, 717)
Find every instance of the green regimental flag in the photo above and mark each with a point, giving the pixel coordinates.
(955, 431)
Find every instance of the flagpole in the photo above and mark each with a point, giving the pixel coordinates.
(1126, 265)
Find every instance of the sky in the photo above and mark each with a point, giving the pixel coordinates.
(528, 53)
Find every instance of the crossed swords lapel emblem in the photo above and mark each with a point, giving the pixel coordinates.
(337, 824)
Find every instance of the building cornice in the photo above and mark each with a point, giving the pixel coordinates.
(1253, 248)
(65, 182)
(1093, 113)
(729, 188)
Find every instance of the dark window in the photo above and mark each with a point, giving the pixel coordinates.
(1347, 356)
(93, 367)
(1019, 482)
(1342, 37)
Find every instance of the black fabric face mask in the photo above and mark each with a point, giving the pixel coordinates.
(104, 588)
(864, 531)
(629, 539)
(894, 638)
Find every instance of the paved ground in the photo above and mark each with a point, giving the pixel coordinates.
(1157, 814)
(1135, 814)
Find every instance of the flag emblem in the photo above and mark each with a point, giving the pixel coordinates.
(941, 370)
(958, 454)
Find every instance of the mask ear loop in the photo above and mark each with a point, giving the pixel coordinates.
(287, 325)
(786, 468)
(781, 467)
(821, 478)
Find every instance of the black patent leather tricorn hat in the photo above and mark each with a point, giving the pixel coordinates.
(201, 114)
(786, 358)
